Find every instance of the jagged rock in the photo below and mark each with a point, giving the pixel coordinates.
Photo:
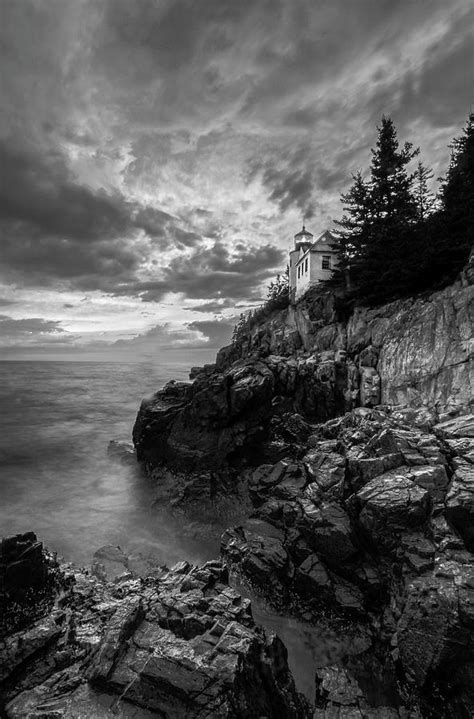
(23, 567)
(460, 502)
(462, 426)
(369, 357)
(224, 419)
(181, 644)
(389, 504)
(214, 421)
(204, 370)
(327, 529)
(432, 478)
(326, 470)
(458, 436)
(369, 387)
(339, 695)
(257, 549)
(434, 638)
(425, 354)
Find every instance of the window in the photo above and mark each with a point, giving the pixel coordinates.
(326, 262)
(306, 265)
(299, 268)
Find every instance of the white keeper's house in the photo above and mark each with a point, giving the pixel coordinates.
(310, 261)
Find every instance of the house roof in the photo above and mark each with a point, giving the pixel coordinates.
(324, 243)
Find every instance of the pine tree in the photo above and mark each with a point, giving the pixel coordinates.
(424, 198)
(350, 237)
(457, 202)
(383, 262)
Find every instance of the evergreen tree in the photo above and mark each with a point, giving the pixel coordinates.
(385, 266)
(456, 220)
(425, 200)
(351, 231)
(394, 237)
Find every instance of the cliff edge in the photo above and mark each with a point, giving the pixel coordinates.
(311, 361)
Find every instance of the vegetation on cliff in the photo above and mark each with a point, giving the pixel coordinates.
(395, 238)
(278, 298)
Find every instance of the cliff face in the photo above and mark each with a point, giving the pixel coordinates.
(309, 361)
(415, 352)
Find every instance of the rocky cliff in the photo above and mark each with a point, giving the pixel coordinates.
(352, 437)
(416, 352)
(310, 361)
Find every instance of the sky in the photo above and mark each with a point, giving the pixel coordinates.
(157, 156)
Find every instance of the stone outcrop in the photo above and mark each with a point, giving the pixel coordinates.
(411, 352)
(223, 419)
(369, 525)
(179, 644)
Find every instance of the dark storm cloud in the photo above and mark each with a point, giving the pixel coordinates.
(291, 189)
(291, 183)
(213, 272)
(443, 91)
(180, 41)
(37, 190)
(154, 222)
(5, 302)
(55, 229)
(31, 326)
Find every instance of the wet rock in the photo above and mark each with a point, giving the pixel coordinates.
(327, 529)
(434, 638)
(462, 426)
(181, 644)
(460, 502)
(23, 566)
(390, 503)
(213, 422)
(370, 389)
(339, 694)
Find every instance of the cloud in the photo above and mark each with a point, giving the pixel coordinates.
(217, 333)
(172, 148)
(164, 337)
(30, 331)
(214, 307)
(32, 325)
(54, 229)
(213, 272)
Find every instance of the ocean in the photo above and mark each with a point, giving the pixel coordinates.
(56, 420)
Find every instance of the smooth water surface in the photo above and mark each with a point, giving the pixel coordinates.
(56, 420)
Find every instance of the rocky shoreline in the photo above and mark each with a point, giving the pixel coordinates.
(350, 445)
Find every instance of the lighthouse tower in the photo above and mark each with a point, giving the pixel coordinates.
(303, 241)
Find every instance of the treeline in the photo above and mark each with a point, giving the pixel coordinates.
(396, 237)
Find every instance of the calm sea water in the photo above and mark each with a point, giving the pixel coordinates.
(56, 419)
